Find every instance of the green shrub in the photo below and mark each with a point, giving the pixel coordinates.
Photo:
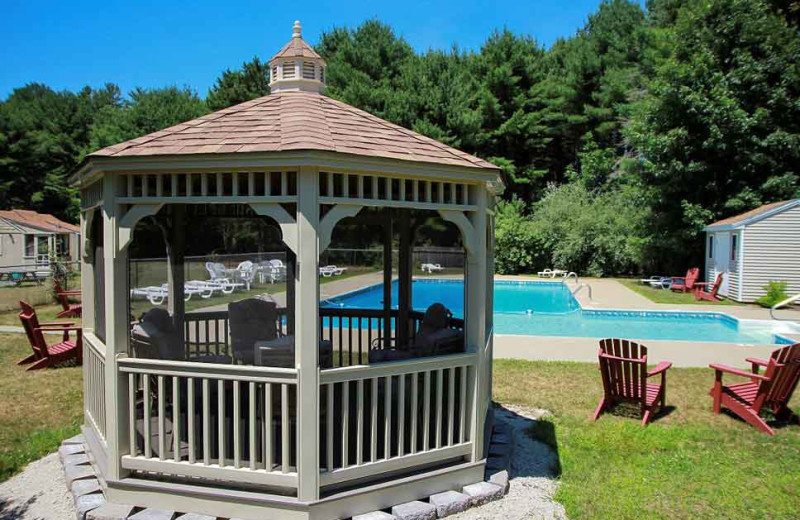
(518, 245)
(776, 292)
(572, 228)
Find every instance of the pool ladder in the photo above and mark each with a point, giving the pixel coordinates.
(579, 285)
(583, 286)
(784, 303)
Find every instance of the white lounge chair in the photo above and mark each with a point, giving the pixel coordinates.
(657, 282)
(552, 273)
(431, 268)
(246, 272)
(206, 288)
(219, 274)
(331, 270)
(272, 270)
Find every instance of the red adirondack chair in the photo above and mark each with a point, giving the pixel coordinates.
(45, 355)
(685, 283)
(623, 366)
(701, 294)
(71, 310)
(772, 390)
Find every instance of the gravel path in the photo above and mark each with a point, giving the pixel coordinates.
(39, 492)
(533, 476)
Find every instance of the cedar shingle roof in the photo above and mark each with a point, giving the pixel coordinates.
(294, 120)
(41, 221)
(296, 48)
(749, 214)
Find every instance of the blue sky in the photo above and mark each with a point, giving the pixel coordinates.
(69, 44)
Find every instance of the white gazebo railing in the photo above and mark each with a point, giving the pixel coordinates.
(219, 422)
(94, 385)
(393, 416)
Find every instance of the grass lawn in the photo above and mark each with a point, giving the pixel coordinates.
(45, 313)
(10, 295)
(37, 409)
(689, 463)
(667, 296)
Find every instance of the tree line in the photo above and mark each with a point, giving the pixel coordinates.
(616, 145)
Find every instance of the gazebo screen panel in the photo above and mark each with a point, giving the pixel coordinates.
(380, 190)
(266, 185)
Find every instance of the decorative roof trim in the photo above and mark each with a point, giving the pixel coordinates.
(336, 161)
(755, 218)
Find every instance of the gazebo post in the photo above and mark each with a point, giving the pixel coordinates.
(307, 333)
(475, 316)
(404, 273)
(116, 329)
(87, 268)
(291, 263)
(387, 279)
(176, 247)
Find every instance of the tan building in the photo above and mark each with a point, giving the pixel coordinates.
(28, 238)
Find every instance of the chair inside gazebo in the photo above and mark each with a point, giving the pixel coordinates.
(393, 376)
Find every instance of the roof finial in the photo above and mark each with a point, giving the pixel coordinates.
(297, 29)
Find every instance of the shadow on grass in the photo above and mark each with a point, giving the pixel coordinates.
(633, 411)
(774, 422)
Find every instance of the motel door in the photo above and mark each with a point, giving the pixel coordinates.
(722, 259)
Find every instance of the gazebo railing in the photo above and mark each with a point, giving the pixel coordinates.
(94, 386)
(352, 332)
(218, 422)
(391, 417)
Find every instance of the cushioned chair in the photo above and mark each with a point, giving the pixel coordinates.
(155, 337)
(251, 320)
(434, 338)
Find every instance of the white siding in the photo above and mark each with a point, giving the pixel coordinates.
(10, 249)
(710, 272)
(733, 267)
(771, 253)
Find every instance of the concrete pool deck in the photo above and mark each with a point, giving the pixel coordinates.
(611, 294)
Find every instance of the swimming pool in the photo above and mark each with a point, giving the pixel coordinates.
(533, 308)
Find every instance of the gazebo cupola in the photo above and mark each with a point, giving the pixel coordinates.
(297, 66)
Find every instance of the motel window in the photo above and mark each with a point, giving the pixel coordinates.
(711, 246)
(734, 246)
(30, 245)
(62, 245)
(43, 246)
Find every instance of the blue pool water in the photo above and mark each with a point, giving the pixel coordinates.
(549, 309)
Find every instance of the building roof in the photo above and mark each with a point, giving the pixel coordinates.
(294, 120)
(754, 215)
(42, 221)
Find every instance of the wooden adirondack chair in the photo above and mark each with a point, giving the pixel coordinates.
(71, 310)
(772, 390)
(45, 355)
(711, 296)
(685, 283)
(623, 366)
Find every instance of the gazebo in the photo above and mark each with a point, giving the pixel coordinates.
(220, 435)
